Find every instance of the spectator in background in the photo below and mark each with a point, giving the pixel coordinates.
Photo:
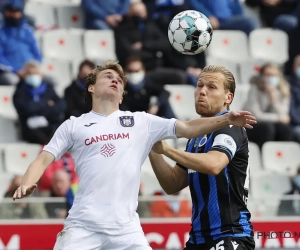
(269, 102)
(139, 35)
(143, 94)
(103, 15)
(164, 10)
(39, 108)
(21, 210)
(225, 14)
(74, 93)
(282, 14)
(61, 187)
(291, 207)
(295, 99)
(17, 44)
(64, 163)
(170, 209)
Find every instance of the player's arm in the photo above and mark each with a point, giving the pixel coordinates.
(207, 163)
(203, 126)
(171, 179)
(58, 145)
(223, 149)
(33, 174)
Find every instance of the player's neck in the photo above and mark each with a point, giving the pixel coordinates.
(212, 115)
(105, 108)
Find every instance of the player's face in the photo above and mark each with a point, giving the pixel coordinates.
(210, 95)
(109, 85)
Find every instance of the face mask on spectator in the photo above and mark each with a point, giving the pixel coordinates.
(136, 78)
(34, 80)
(11, 21)
(273, 80)
(297, 72)
(297, 181)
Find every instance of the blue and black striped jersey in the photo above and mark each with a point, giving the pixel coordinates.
(220, 202)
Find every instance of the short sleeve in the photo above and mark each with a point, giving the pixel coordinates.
(160, 128)
(227, 140)
(61, 141)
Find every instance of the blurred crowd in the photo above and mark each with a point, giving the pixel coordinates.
(143, 49)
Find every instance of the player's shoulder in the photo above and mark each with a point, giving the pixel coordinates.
(233, 131)
(75, 120)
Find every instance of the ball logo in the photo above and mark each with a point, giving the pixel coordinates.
(108, 150)
(202, 142)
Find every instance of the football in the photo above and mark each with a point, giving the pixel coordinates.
(190, 32)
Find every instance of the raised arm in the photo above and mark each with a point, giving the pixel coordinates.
(33, 174)
(60, 143)
(171, 179)
(203, 126)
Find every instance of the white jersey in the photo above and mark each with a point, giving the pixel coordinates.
(108, 152)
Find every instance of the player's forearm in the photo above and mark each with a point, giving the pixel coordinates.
(37, 168)
(201, 163)
(164, 173)
(202, 126)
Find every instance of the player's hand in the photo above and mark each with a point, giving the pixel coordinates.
(24, 191)
(241, 119)
(284, 119)
(160, 147)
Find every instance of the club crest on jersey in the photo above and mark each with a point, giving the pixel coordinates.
(127, 121)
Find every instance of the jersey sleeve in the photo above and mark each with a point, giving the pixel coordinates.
(227, 141)
(62, 140)
(160, 128)
(180, 165)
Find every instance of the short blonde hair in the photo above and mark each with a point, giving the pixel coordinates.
(229, 83)
(92, 78)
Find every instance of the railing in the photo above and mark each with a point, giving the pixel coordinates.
(264, 207)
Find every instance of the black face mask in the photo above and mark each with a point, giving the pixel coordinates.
(13, 22)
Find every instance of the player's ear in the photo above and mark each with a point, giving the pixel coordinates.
(91, 88)
(229, 98)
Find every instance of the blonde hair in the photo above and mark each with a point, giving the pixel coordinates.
(32, 64)
(229, 83)
(283, 84)
(92, 78)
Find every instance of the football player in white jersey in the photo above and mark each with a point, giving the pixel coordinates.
(109, 147)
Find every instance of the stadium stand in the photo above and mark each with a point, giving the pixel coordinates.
(65, 43)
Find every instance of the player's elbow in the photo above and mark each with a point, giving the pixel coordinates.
(214, 168)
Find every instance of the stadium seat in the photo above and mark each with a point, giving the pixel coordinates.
(7, 109)
(254, 158)
(269, 45)
(99, 45)
(18, 156)
(148, 179)
(182, 101)
(74, 67)
(266, 188)
(180, 143)
(231, 66)
(43, 14)
(240, 97)
(230, 45)
(70, 17)
(10, 133)
(281, 157)
(5, 180)
(60, 71)
(248, 69)
(63, 44)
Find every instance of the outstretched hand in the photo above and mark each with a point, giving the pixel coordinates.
(241, 119)
(24, 191)
(160, 147)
